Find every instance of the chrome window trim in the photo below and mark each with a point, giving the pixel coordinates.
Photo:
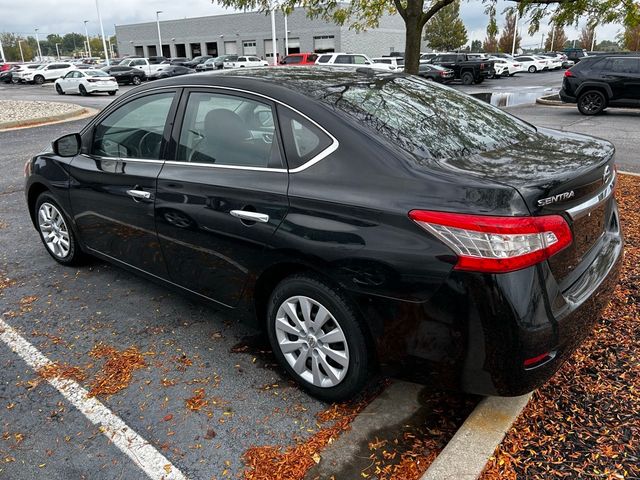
(122, 159)
(320, 156)
(583, 208)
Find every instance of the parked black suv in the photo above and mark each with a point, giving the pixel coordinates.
(600, 82)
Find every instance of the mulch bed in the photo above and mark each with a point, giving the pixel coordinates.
(585, 422)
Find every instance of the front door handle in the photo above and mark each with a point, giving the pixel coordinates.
(139, 194)
(250, 216)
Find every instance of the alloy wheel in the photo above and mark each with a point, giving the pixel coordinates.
(592, 102)
(312, 341)
(54, 230)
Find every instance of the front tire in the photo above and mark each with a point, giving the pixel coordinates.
(38, 79)
(592, 102)
(112, 93)
(59, 90)
(55, 231)
(317, 336)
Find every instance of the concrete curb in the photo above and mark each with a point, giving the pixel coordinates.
(78, 114)
(546, 100)
(467, 453)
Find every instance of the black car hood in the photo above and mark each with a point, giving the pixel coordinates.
(548, 163)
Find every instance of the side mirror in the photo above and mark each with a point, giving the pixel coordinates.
(67, 146)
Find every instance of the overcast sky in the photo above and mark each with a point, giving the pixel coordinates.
(62, 16)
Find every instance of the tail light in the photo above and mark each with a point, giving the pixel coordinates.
(92, 80)
(496, 244)
(568, 73)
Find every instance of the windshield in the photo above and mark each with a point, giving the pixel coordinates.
(426, 120)
(96, 73)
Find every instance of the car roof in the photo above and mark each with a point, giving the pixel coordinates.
(292, 85)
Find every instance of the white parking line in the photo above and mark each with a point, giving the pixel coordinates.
(150, 460)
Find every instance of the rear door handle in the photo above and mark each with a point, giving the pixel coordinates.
(250, 216)
(139, 194)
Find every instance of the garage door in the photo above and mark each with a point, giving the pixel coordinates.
(231, 48)
(294, 45)
(324, 44)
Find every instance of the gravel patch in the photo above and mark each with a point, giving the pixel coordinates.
(24, 111)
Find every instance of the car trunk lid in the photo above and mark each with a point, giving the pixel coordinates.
(555, 173)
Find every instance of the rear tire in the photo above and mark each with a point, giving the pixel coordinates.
(467, 78)
(59, 90)
(136, 80)
(55, 231)
(83, 91)
(533, 69)
(592, 102)
(112, 93)
(330, 359)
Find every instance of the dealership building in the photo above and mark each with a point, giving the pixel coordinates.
(249, 33)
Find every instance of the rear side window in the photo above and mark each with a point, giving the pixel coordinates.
(622, 65)
(343, 59)
(302, 139)
(426, 121)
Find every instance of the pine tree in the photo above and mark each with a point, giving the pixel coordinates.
(446, 31)
(556, 39)
(505, 43)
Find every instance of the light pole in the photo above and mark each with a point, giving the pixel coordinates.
(274, 47)
(104, 41)
(2, 52)
(86, 34)
(159, 36)
(21, 54)
(515, 34)
(286, 36)
(553, 37)
(58, 50)
(38, 42)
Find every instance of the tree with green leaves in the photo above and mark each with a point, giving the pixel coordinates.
(491, 41)
(607, 46)
(364, 14)
(505, 42)
(630, 38)
(555, 39)
(446, 31)
(476, 46)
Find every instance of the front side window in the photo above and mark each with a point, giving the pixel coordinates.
(360, 60)
(135, 129)
(70, 75)
(228, 130)
(292, 59)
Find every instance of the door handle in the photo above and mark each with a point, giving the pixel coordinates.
(250, 216)
(139, 194)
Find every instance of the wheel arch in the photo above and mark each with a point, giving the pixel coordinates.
(35, 190)
(267, 281)
(602, 87)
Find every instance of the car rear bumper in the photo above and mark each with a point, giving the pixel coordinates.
(565, 97)
(478, 330)
(102, 88)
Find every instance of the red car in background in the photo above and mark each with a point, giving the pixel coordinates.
(299, 59)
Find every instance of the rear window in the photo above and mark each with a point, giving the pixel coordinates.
(425, 120)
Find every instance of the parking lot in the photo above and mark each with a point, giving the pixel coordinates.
(199, 387)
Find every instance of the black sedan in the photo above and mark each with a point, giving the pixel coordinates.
(126, 75)
(436, 73)
(365, 221)
(167, 71)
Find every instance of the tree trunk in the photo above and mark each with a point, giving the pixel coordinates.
(413, 37)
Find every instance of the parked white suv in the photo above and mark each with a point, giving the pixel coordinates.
(245, 61)
(351, 60)
(47, 72)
